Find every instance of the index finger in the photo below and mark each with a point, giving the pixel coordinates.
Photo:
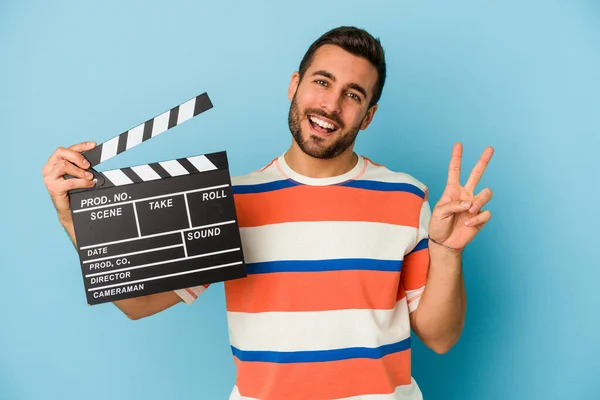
(454, 167)
(479, 168)
(83, 146)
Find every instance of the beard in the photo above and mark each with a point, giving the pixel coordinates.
(314, 145)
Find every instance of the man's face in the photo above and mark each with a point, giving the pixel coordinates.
(331, 103)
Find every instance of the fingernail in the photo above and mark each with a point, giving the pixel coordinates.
(88, 174)
(469, 222)
(473, 209)
(465, 203)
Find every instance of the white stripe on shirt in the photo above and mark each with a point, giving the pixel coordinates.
(328, 240)
(318, 330)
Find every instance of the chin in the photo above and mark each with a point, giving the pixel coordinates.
(315, 147)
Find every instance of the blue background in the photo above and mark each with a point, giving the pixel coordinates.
(523, 77)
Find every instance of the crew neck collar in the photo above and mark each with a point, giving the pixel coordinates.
(289, 173)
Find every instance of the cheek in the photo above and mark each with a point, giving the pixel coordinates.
(307, 99)
(354, 116)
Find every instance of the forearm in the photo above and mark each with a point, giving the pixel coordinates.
(67, 224)
(145, 306)
(439, 319)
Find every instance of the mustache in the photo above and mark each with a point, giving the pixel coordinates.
(333, 117)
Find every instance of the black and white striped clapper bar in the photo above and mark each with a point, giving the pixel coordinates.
(157, 227)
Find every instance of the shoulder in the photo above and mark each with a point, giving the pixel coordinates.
(381, 173)
(268, 173)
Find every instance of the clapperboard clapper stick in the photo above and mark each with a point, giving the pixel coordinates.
(156, 227)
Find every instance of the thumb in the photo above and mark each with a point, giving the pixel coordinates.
(453, 207)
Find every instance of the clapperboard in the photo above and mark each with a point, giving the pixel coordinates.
(156, 227)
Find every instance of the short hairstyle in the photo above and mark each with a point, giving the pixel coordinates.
(355, 41)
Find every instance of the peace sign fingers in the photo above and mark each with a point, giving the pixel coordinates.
(454, 167)
(479, 169)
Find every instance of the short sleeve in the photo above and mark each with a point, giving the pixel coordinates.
(415, 265)
(189, 295)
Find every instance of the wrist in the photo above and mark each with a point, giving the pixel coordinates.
(437, 252)
(65, 219)
(442, 256)
(441, 245)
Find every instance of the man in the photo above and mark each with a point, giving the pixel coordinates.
(344, 256)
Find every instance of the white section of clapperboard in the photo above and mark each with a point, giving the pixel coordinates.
(109, 149)
(202, 163)
(186, 111)
(174, 168)
(117, 177)
(161, 123)
(145, 172)
(135, 135)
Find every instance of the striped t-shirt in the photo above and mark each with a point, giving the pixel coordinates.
(335, 266)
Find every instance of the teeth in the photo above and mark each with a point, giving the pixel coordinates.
(322, 123)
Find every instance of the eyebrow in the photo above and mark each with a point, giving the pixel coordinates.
(351, 85)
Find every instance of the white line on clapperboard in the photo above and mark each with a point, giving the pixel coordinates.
(137, 221)
(134, 253)
(158, 234)
(165, 276)
(185, 253)
(151, 198)
(187, 208)
(163, 262)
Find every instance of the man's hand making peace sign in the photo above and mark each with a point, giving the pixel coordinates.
(455, 220)
(457, 217)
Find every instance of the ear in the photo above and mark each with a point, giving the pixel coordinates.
(368, 117)
(293, 85)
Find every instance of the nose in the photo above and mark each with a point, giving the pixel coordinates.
(330, 102)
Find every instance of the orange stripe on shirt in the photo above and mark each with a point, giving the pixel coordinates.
(316, 203)
(414, 269)
(401, 293)
(313, 291)
(323, 380)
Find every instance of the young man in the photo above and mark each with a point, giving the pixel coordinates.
(344, 256)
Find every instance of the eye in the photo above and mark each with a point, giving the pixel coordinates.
(353, 96)
(321, 82)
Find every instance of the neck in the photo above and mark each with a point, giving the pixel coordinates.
(312, 167)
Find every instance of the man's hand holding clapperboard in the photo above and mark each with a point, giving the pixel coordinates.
(150, 228)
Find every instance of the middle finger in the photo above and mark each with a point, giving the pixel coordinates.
(479, 169)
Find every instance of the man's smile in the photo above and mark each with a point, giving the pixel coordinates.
(322, 125)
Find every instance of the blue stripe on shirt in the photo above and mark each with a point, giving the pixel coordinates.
(290, 357)
(359, 184)
(423, 244)
(263, 187)
(344, 264)
(385, 186)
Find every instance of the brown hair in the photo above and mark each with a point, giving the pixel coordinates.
(355, 41)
